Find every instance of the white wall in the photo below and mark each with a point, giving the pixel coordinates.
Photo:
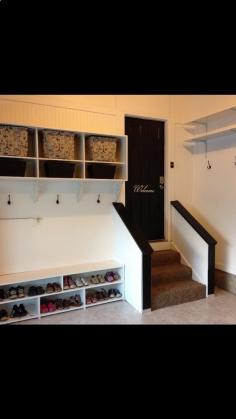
(74, 231)
(195, 250)
(209, 194)
(126, 250)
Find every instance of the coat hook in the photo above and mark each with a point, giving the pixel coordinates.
(98, 200)
(57, 201)
(208, 165)
(9, 199)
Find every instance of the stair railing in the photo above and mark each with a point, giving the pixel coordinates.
(203, 233)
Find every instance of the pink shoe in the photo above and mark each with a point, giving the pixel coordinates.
(71, 283)
(65, 283)
(51, 307)
(43, 308)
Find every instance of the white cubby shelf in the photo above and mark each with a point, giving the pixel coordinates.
(32, 303)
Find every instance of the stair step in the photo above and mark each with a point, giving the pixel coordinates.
(169, 273)
(176, 292)
(165, 257)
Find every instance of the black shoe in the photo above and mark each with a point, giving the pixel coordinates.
(40, 290)
(2, 294)
(32, 291)
(15, 311)
(22, 310)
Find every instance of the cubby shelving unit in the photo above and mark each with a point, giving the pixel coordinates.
(35, 161)
(56, 275)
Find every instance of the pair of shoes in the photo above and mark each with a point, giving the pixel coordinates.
(48, 307)
(17, 292)
(91, 298)
(114, 293)
(19, 311)
(78, 282)
(85, 282)
(3, 316)
(75, 301)
(68, 283)
(35, 291)
(112, 276)
(53, 288)
(94, 279)
(97, 279)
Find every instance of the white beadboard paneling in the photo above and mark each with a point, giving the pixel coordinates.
(59, 118)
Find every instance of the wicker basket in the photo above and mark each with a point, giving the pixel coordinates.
(101, 148)
(13, 141)
(58, 145)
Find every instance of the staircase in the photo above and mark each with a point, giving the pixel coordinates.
(172, 282)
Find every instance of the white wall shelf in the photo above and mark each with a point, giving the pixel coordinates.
(35, 161)
(41, 278)
(213, 126)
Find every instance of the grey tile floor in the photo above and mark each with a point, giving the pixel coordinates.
(216, 309)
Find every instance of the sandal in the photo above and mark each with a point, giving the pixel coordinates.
(71, 282)
(85, 282)
(94, 279)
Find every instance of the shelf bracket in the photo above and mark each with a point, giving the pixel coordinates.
(36, 190)
(79, 191)
(117, 190)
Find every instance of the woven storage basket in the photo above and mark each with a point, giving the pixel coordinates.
(101, 148)
(13, 141)
(58, 145)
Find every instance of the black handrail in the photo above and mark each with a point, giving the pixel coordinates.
(194, 223)
(206, 237)
(134, 230)
(145, 248)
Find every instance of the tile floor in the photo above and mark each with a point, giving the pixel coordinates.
(216, 309)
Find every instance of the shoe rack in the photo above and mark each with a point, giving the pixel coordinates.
(32, 303)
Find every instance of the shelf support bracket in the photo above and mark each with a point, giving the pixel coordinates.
(117, 190)
(79, 191)
(36, 191)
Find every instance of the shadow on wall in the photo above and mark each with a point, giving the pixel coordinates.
(57, 199)
(199, 147)
(222, 244)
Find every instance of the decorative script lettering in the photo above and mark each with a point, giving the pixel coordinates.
(143, 188)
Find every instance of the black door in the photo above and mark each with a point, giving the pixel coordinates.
(145, 187)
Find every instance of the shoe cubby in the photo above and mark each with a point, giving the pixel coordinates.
(42, 293)
(20, 310)
(104, 294)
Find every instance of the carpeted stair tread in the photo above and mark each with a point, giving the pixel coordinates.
(176, 292)
(164, 257)
(170, 273)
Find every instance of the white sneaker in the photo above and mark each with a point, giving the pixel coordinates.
(85, 282)
(78, 282)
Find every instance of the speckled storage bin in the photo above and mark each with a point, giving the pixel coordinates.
(58, 145)
(101, 148)
(13, 141)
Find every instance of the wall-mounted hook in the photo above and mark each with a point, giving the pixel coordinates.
(208, 165)
(9, 199)
(57, 201)
(98, 200)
